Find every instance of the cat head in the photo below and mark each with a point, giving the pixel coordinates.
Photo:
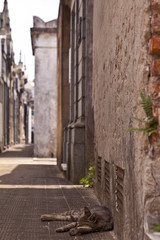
(96, 220)
(89, 219)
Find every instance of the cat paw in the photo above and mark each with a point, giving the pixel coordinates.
(45, 217)
(73, 231)
(59, 230)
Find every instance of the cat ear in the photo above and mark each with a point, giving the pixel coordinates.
(93, 218)
(87, 212)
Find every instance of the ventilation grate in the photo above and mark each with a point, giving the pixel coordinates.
(119, 188)
(107, 180)
(99, 169)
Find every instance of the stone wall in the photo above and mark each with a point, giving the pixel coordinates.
(1, 115)
(77, 137)
(1, 100)
(80, 132)
(63, 36)
(121, 70)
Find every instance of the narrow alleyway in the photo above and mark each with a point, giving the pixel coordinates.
(30, 187)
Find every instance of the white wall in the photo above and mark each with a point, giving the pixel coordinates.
(45, 95)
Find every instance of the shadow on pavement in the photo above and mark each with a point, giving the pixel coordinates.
(30, 174)
(18, 151)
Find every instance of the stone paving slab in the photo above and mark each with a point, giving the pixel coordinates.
(31, 187)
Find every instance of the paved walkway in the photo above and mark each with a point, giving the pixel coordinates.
(30, 187)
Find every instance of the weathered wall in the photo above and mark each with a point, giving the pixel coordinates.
(63, 36)
(1, 115)
(89, 117)
(121, 32)
(59, 89)
(78, 146)
(44, 40)
(1, 100)
(75, 42)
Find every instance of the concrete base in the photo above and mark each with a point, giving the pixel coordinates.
(75, 152)
(77, 161)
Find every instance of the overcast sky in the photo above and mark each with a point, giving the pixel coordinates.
(21, 14)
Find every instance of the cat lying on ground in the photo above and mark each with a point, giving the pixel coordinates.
(85, 220)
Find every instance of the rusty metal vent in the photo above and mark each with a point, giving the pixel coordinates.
(99, 169)
(107, 180)
(119, 174)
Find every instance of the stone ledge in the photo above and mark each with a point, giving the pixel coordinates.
(78, 124)
(43, 30)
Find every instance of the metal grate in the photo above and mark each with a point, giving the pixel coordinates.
(107, 180)
(119, 173)
(99, 169)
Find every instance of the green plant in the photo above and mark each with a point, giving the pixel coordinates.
(151, 123)
(156, 228)
(88, 181)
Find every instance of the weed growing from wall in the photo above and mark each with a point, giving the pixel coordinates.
(88, 181)
(150, 122)
(155, 229)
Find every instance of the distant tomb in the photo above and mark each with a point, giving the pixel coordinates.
(44, 45)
